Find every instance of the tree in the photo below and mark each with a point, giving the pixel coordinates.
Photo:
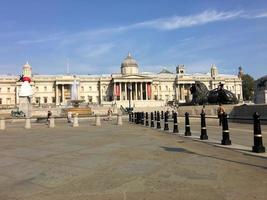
(248, 85)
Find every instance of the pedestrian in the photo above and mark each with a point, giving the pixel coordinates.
(109, 113)
(69, 116)
(203, 109)
(49, 114)
(220, 112)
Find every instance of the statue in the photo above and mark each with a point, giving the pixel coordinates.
(199, 92)
(201, 95)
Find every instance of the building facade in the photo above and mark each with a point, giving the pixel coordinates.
(128, 87)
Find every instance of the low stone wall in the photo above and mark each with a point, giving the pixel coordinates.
(247, 111)
(210, 110)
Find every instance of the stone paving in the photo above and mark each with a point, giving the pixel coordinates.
(121, 162)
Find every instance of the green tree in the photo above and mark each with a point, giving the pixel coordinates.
(248, 85)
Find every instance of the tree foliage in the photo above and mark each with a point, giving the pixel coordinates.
(248, 85)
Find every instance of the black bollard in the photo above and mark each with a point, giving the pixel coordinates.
(138, 118)
(187, 125)
(203, 135)
(175, 123)
(155, 116)
(151, 120)
(166, 125)
(258, 145)
(162, 115)
(158, 121)
(147, 123)
(225, 131)
(130, 117)
(142, 118)
(135, 117)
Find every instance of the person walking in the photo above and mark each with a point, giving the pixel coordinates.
(69, 116)
(109, 114)
(49, 114)
(220, 112)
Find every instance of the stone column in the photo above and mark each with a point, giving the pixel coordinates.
(141, 90)
(182, 92)
(177, 93)
(120, 92)
(135, 88)
(158, 91)
(125, 91)
(114, 91)
(63, 95)
(131, 92)
(146, 91)
(57, 95)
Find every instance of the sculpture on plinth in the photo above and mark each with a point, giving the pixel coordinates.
(201, 95)
(26, 92)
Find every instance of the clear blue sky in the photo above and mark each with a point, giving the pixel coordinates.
(96, 35)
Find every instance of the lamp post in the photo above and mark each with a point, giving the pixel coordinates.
(129, 87)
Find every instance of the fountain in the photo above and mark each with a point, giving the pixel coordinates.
(76, 104)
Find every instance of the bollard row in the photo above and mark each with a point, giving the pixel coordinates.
(156, 117)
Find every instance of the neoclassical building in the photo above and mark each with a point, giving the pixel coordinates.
(129, 86)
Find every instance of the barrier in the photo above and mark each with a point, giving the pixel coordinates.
(166, 125)
(151, 120)
(204, 135)
(158, 121)
(187, 125)
(225, 131)
(175, 123)
(2, 124)
(75, 120)
(258, 146)
(27, 123)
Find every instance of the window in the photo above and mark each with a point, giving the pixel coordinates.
(155, 97)
(45, 88)
(90, 88)
(160, 88)
(0, 89)
(166, 87)
(37, 100)
(8, 89)
(37, 89)
(1, 101)
(8, 101)
(82, 98)
(45, 99)
(54, 99)
(90, 99)
(82, 88)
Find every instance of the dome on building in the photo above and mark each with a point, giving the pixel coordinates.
(213, 71)
(129, 66)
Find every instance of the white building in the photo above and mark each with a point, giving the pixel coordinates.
(131, 85)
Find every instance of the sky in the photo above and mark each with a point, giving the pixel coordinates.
(94, 36)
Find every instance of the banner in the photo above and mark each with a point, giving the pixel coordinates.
(149, 90)
(117, 90)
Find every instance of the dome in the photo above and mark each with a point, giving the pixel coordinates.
(129, 66)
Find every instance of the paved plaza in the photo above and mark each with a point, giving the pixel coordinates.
(127, 162)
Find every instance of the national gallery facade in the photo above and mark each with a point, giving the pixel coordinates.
(130, 86)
